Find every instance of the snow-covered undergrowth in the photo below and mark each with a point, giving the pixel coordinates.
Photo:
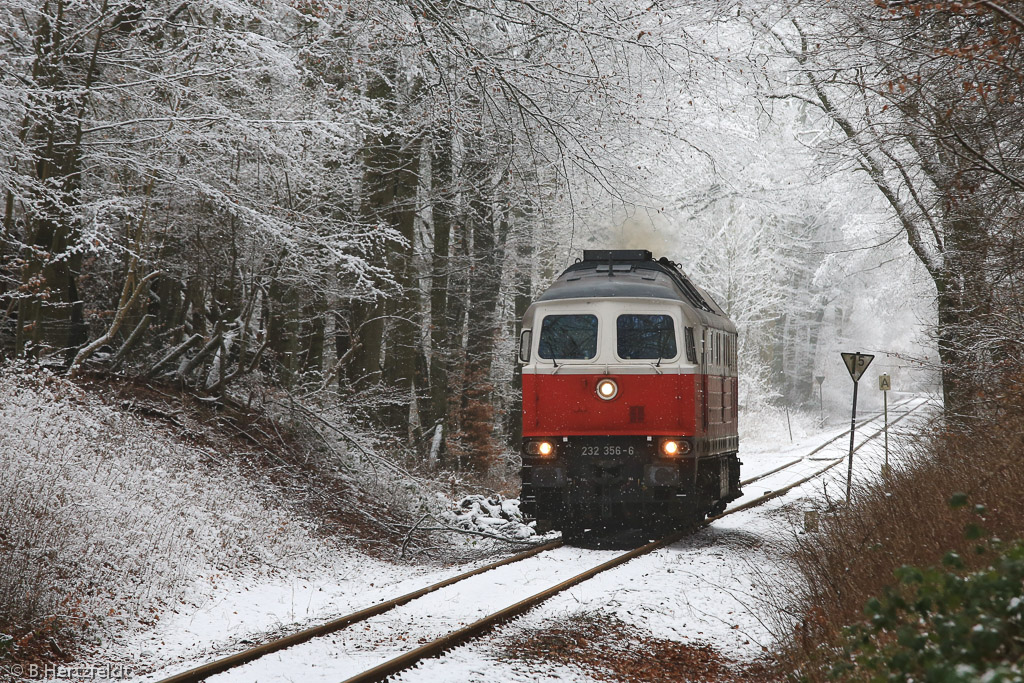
(767, 427)
(105, 518)
(159, 540)
(428, 511)
(492, 515)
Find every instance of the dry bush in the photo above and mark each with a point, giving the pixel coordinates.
(907, 519)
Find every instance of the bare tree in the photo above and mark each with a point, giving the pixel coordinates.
(924, 97)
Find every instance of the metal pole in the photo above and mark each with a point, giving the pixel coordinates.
(853, 427)
(885, 408)
(821, 406)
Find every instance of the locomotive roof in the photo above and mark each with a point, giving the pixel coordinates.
(633, 273)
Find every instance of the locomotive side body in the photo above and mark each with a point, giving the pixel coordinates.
(629, 397)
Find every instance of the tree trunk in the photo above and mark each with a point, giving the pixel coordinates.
(455, 349)
(51, 315)
(311, 342)
(964, 301)
(485, 285)
(523, 295)
(441, 333)
(283, 330)
(403, 307)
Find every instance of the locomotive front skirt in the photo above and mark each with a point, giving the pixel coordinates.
(629, 398)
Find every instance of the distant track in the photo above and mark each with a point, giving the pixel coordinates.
(482, 626)
(789, 464)
(789, 487)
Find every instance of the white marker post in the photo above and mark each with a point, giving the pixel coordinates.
(885, 385)
(856, 363)
(821, 402)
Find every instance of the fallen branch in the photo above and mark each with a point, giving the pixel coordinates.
(348, 437)
(173, 354)
(115, 325)
(471, 532)
(408, 536)
(190, 365)
(136, 334)
(240, 370)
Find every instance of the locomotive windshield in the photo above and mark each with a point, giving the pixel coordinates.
(647, 337)
(568, 337)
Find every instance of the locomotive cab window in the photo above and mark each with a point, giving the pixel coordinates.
(691, 349)
(568, 337)
(645, 337)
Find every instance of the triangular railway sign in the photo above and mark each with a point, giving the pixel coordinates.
(857, 363)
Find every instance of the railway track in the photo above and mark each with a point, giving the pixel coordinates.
(823, 446)
(480, 627)
(201, 673)
(769, 495)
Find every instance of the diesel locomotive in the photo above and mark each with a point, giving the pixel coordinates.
(629, 398)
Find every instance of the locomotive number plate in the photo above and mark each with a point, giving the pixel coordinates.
(608, 450)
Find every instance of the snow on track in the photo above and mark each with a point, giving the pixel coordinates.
(246, 611)
(702, 589)
(347, 652)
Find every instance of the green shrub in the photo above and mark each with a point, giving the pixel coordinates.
(940, 625)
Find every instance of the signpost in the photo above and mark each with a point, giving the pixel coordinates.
(856, 364)
(821, 402)
(885, 385)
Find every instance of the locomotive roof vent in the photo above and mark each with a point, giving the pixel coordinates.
(612, 261)
(615, 267)
(606, 255)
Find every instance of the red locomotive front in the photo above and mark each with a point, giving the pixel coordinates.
(629, 398)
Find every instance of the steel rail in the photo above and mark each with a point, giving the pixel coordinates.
(217, 666)
(789, 487)
(480, 627)
(406, 660)
(866, 421)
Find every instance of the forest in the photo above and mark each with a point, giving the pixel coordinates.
(350, 205)
(262, 270)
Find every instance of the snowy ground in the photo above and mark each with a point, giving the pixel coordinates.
(703, 589)
(244, 610)
(168, 550)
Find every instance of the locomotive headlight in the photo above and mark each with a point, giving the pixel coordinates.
(541, 448)
(607, 389)
(672, 448)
